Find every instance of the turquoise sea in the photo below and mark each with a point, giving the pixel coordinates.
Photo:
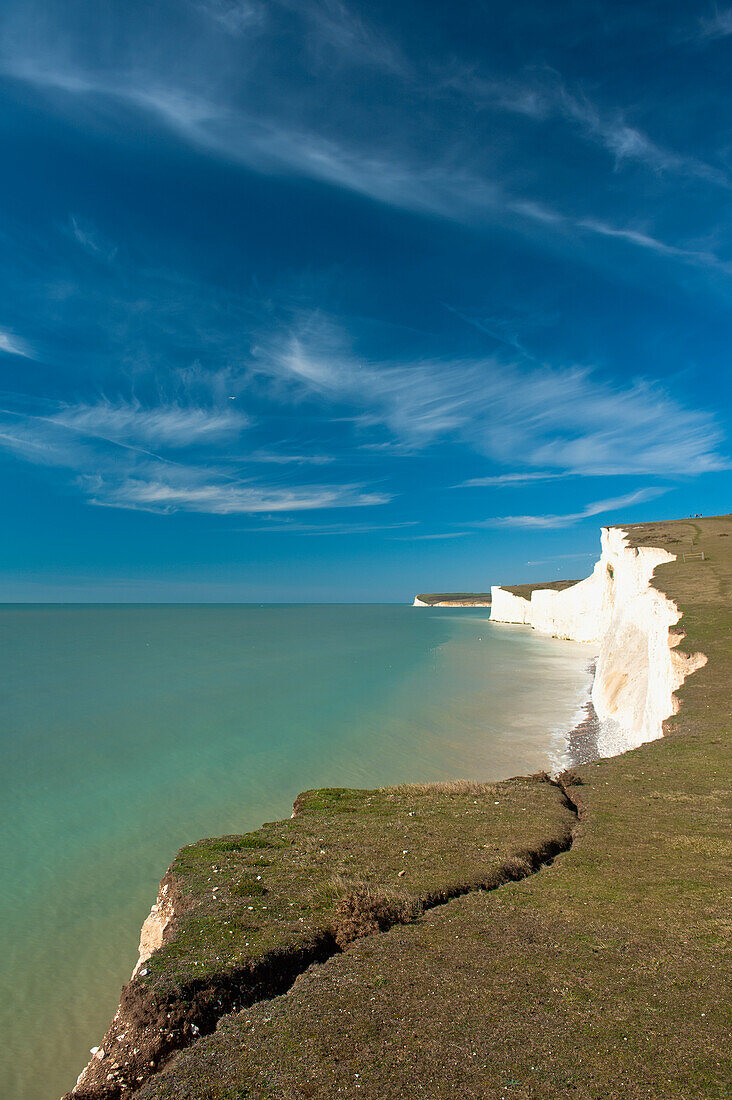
(128, 731)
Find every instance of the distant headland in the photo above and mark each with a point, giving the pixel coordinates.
(452, 599)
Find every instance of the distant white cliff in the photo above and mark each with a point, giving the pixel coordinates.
(628, 621)
(450, 603)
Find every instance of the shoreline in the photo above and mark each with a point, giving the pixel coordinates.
(583, 740)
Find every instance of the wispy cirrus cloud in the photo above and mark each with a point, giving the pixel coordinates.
(597, 508)
(338, 30)
(13, 345)
(558, 420)
(108, 451)
(272, 145)
(334, 31)
(638, 238)
(588, 555)
(434, 537)
(188, 492)
(436, 179)
(545, 97)
(295, 527)
(169, 425)
(699, 257)
(497, 480)
(626, 142)
(718, 25)
(89, 238)
(551, 422)
(235, 17)
(281, 458)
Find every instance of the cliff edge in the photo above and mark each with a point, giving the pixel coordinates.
(449, 967)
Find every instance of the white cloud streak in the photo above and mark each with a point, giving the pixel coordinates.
(13, 345)
(235, 17)
(599, 507)
(382, 172)
(215, 498)
(279, 458)
(627, 143)
(548, 98)
(438, 537)
(88, 238)
(338, 31)
(499, 480)
(718, 25)
(553, 422)
(271, 146)
(289, 527)
(637, 237)
(105, 448)
(175, 426)
(560, 420)
(333, 31)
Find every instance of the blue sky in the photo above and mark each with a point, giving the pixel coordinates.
(311, 300)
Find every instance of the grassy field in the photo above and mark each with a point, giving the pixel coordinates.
(525, 590)
(605, 975)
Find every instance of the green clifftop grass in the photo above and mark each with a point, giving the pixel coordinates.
(252, 912)
(605, 975)
(525, 590)
(243, 897)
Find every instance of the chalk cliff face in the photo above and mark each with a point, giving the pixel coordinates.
(153, 929)
(627, 621)
(103, 1073)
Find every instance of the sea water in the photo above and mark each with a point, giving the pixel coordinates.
(128, 731)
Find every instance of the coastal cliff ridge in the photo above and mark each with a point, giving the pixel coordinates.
(452, 599)
(448, 965)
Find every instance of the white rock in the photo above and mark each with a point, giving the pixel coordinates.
(627, 621)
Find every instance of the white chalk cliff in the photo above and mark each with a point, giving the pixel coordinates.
(627, 621)
(155, 925)
(120, 1036)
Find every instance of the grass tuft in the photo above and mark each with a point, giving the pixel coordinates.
(367, 910)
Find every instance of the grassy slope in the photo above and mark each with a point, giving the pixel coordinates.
(243, 897)
(525, 590)
(253, 911)
(603, 976)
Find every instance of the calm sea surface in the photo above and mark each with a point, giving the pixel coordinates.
(128, 731)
